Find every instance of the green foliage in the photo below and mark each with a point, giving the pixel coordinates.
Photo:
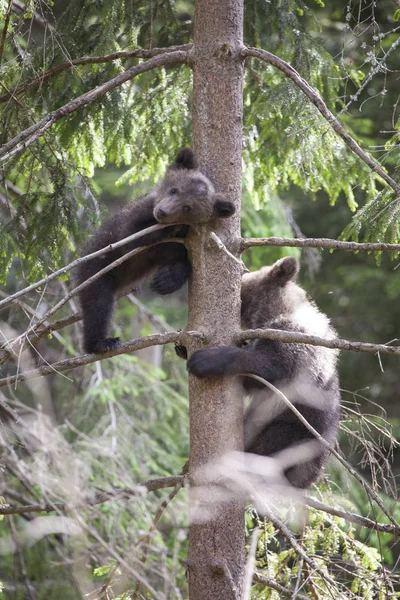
(378, 220)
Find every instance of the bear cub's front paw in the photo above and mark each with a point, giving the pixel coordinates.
(206, 363)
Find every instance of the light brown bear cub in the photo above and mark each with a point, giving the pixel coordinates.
(306, 374)
(184, 196)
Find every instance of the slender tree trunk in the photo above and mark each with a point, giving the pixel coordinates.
(216, 545)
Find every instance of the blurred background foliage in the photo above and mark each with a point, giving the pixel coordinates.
(124, 421)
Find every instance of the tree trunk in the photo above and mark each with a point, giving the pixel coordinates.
(216, 546)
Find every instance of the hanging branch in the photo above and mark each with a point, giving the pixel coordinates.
(316, 99)
(323, 243)
(25, 138)
(91, 60)
(327, 445)
(291, 337)
(151, 485)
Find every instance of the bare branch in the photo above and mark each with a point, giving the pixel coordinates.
(291, 337)
(380, 63)
(174, 337)
(350, 517)
(316, 99)
(33, 338)
(17, 342)
(151, 485)
(91, 60)
(82, 259)
(324, 243)
(327, 445)
(25, 138)
(259, 578)
(285, 531)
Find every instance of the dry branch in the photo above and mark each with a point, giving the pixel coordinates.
(350, 517)
(150, 485)
(174, 337)
(18, 342)
(79, 261)
(323, 243)
(91, 60)
(291, 337)
(28, 136)
(259, 578)
(316, 99)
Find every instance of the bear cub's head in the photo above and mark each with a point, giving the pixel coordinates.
(186, 196)
(270, 293)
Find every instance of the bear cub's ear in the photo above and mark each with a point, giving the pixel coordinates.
(223, 208)
(284, 270)
(185, 159)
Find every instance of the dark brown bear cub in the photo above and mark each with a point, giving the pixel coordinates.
(185, 196)
(307, 375)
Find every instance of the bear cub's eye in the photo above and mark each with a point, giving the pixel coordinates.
(187, 209)
(173, 191)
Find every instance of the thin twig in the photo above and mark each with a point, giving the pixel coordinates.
(151, 485)
(316, 99)
(222, 247)
(259, 578)
(327, 445)
(24, 574)
(147, 537)
(34, 338)
(372, 74)
(25, 138)
(250, 564)
(323, 243)
(92, 60)
(291, 337)
(20, 7)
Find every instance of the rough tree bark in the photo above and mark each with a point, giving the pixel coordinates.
(216, 546)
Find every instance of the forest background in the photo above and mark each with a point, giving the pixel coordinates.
(123, 421)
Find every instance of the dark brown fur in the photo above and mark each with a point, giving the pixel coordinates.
(184, 197)
(306, 374)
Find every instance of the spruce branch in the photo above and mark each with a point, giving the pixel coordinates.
(156, 339)
(151, 485)
(323, 243)
(25, 138)
(291, 337)
(316, 99)
(91, 60)
(370, 492)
